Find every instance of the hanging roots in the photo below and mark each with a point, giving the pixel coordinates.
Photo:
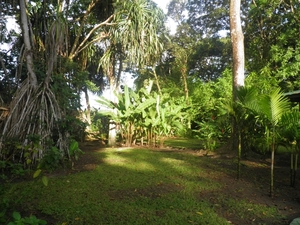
(32, 123)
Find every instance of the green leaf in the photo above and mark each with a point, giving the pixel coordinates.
(42, 222)
(17, 215)
(73, 146)
(37, 173)
(45, 180)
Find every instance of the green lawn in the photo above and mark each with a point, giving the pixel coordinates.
(129, 186)
(187, 143)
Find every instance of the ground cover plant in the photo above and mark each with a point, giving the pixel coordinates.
(155, 186)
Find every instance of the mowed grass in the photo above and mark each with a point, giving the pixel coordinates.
(187, 143)
(129, 186)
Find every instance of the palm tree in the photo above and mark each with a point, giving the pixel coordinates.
(290, 132)
(271, 108)
(239, 110)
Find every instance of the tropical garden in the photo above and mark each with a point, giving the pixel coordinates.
(207, 134)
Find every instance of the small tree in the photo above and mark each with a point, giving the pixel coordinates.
(270, 109)
(240, 110)
(290, 131)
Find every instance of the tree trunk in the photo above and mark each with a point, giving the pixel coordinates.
(239, 155)
(88, 109)
(292, 170)
(157, 81)
(272, 171)
(237, 41)
(28, 45)
(186, 90)
(112, 135)
(295, 169)
(272, 162)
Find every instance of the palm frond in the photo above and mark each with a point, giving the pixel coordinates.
(274, 105)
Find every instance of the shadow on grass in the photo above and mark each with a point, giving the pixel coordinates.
(254, 187)
(141, 186)
(186, 143)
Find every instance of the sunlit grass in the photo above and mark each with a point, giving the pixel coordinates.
(131, 186)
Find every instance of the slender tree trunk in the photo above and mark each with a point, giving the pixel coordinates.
(272, 163)
(237, 41)
(186, 90)
(88, 109)
(184, 78)
(157, 81)
(295, 169)
(239, 155)
(292, 170)
(272, 171)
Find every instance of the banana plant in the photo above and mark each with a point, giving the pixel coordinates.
(126, 111)
(142, 111)
(172, 118)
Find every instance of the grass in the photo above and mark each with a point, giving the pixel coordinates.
(130, 186)
(187, 143)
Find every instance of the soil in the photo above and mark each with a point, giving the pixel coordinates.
(252, 185)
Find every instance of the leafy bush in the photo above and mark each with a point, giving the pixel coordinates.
(74, 150)
(209, 133)
(51, 159)
(18, 220)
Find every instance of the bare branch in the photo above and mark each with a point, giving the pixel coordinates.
(88, 11)
(78, 49)
(92, 41)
